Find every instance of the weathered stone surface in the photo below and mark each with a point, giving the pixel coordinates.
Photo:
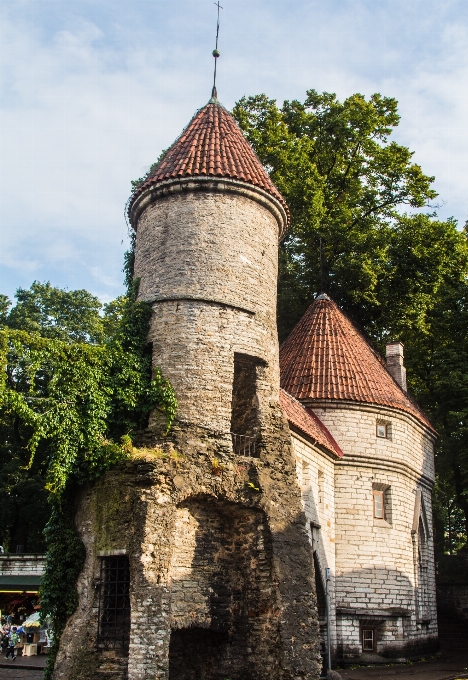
(22, 564)
(217, 552)
(382, 570)
(222, 579)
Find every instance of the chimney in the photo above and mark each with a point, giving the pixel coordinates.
(395, 364)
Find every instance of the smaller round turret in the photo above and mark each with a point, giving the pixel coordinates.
(382, 484)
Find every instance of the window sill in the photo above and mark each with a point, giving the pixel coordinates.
(382, 523)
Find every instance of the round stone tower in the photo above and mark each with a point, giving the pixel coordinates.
(207, 225)
(198, 563)
(384, 581)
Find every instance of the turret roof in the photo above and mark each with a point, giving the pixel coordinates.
(212, 145)
(327, 358)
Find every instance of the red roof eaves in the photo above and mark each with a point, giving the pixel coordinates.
(308, 424)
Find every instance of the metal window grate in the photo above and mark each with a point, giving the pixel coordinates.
(243, 445)
(114, 603)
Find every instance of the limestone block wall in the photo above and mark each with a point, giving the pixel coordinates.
(221, 579)
(194, 344)
(208, 263)
(20, 565)
(409, 446)
(209, 245)
(316, 477)
(385, 577)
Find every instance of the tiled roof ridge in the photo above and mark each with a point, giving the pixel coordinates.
(212, 144)
(308, 423)
(327, 357)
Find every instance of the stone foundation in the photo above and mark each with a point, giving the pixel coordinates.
(221, 572)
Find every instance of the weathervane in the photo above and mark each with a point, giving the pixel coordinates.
(216, 53)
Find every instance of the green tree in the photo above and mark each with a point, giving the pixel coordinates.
(68, 407)
(358, 233)
(65, 401)
(438, 369)
(73, 316)
(346, 186)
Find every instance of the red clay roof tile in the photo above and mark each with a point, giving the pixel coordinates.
(308, 423)
(212, 144)
(326, 357)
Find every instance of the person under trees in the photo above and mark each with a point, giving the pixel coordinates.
(364, 230)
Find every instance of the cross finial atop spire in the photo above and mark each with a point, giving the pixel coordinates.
(216, 53)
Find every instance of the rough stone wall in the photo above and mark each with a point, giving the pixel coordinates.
(316, 476)
(211, 246)
(219, 561)
(19, 565)
(377, 571)
(194, 343)
(108, 518)
(221, 570)
(208, 262)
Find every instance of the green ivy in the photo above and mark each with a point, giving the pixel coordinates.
(64, 560)
(77, 405)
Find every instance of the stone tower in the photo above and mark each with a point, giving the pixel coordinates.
(198, 560)
(208, 223)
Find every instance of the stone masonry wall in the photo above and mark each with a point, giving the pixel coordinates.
(19, 565)
(316, 475)
(210, 246)
(221, 570)
(194, 344)
(208, 262)
(217, 559)
(378, 577)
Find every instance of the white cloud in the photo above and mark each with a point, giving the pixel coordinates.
(92, 91)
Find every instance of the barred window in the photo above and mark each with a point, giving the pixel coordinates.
(114, 603)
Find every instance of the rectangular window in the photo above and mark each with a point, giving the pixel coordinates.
(382, 430)
(114, 603)
(378, 500)
(368, 639)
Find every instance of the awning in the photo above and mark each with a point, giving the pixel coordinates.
(19, 584)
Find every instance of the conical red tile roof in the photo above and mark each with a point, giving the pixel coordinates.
(326, 357)
(212, 145)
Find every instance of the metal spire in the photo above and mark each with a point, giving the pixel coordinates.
(216, 53)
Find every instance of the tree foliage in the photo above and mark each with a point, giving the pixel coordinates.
(66, 401)
(346, 185)
(358, 232)
(74, 386)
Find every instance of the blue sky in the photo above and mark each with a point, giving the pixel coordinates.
(92, 90)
